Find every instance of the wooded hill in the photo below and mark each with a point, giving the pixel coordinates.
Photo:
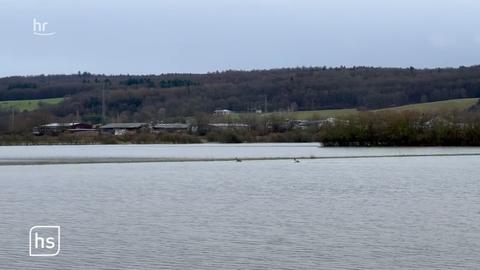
(154, 97)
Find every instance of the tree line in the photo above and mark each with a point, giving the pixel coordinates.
(177, 97)
(170, 95)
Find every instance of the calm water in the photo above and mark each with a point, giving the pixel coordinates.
(376, 213)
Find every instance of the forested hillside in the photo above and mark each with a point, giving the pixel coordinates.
(150, 97)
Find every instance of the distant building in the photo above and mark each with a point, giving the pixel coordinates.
(118, 129)
(437, 121)
(305, 124)
(57, 128)
(224, 126)
(172, 127)
(222, 112)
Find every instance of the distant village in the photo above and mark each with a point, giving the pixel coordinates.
(120, 129)
(372, 129)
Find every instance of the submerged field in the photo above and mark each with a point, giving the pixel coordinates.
(380, 212)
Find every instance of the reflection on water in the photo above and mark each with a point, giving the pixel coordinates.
(396, 213)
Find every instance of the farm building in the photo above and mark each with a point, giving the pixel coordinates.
(225, 126)
(118, 129)
(57, 128)
(222, 112)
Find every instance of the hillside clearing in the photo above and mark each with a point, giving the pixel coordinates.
(28, 105)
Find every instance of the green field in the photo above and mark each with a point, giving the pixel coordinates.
(28, 105)
(302, 115)
(446, 105)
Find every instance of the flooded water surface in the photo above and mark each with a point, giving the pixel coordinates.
(395, 212)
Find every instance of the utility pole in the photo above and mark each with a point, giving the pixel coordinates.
(103, 104)
(266, 104)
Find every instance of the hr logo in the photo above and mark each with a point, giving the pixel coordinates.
(44, 241)
(40, 28)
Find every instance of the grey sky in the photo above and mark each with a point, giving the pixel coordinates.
(150, 37)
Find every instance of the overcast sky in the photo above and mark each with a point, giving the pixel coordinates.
(163, 36)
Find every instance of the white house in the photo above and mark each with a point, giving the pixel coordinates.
(222, 112)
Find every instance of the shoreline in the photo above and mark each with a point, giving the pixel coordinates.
(212, 143)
